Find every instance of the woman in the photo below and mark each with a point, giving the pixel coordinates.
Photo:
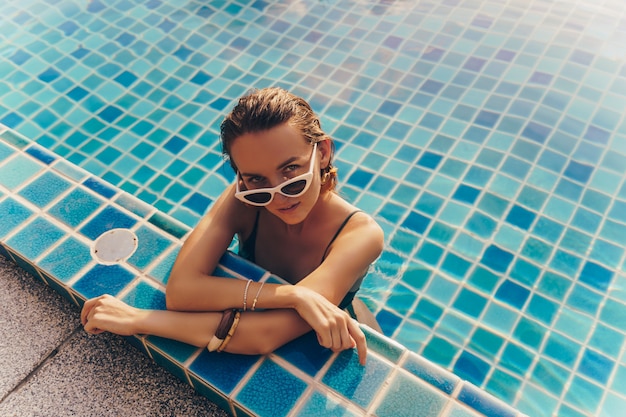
(289, 220)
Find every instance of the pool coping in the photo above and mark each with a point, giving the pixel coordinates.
(51, 206)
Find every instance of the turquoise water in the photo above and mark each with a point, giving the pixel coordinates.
(487, 138)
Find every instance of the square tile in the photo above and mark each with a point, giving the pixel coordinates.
(35, 237)
(408, 397)
(271, 391)
(18, 170)
(359, 383)
(67, 260)
(102, 279)
(222, 370)
(75, 207)
(45, 189)
(14, 214)
(326, 404)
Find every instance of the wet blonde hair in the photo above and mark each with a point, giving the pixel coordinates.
(264, 109)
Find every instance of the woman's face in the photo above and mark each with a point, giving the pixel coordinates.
(269, 158)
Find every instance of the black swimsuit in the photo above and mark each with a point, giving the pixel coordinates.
(247, 250)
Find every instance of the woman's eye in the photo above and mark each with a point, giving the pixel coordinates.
(255, 180)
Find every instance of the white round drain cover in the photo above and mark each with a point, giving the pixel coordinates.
(114, 246)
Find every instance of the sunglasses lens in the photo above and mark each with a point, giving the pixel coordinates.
(294, 188)
(258, 198)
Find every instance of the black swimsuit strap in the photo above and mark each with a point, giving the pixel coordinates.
(339, 231)
(247, 249)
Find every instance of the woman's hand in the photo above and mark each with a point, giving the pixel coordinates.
(108, 314)
(334, 327)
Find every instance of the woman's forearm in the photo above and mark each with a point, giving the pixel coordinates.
(258, 332)
(188, 327)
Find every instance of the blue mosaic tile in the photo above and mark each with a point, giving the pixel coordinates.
(223, 370)
(503, 385)
(279, 389)
(526, 272)
(607, 340)
(382, 346)
(458, 411)
(584, 394)
(5, 151)
(512, 294)
(403, 391)
(180, 352)
(520, 217)
(486, 342)
(529, 333)
(35, 237)
(13, 214)
(44, 189)
(596, 275)
(470, 302)
(145, 296)
(162, 269)
(582, 299)
(150, 245)
(537, 400)
(17, 171)
(353, 380)
(561, 349)
(473, 397)
(168, 225)
(596, 366)
(613, 404)
(75, 207)
(67, 260)
(320, 404)
(305, 353)
(107, 219)
(41, 154)
(550, 376)
(471, 368)
(247, 269)
(497, 258)
(103, 279)
(100, 187)
(430, 373)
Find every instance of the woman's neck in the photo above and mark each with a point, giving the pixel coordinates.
(318, 213)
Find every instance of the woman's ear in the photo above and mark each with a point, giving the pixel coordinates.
(325, 149)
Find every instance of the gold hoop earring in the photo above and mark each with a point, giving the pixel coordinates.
(325, 177)
(328, 174)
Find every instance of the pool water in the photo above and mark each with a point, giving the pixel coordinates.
(488, 139)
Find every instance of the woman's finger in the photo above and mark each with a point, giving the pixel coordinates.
(359, 340)
(84, 313)
(347, 342)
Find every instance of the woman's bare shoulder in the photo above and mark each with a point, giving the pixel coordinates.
(361, 225)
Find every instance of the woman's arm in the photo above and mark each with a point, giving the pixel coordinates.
(257, 333)
(307, 305)
(349, 257)
(190, 286)
(295, 309)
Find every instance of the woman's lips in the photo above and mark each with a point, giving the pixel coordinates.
(289, 208)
